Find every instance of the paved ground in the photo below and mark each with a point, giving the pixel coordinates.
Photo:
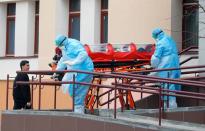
(175, 125)
(129, 118)
(138, 116)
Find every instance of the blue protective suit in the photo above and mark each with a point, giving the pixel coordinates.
(73, 51)
(166, 56)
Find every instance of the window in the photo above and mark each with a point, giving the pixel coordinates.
(104, 4)
(10, 31)
(104, 21)
(74, 5)
(190, 23)
(36, 40)
(74, 19)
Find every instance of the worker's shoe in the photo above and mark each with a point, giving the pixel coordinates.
(165, 104)
(172, 104)
(79, 109)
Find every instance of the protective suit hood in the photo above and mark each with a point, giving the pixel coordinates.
(158, 34)
(61, 40)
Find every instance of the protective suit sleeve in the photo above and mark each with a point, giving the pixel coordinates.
(61, 65)
(82, 55)
(159, 50)
(154, 61)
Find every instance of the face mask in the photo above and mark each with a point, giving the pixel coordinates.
(62, 47)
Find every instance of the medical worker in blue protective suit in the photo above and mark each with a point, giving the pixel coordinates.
(74, 57)
(166, 56)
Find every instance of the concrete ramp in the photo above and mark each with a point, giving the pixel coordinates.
(67, 121)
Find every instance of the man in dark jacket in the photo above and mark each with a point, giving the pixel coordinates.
(21, 93)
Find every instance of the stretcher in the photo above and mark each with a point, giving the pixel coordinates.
(117, 58)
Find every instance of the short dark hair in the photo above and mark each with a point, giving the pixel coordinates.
(23, 63)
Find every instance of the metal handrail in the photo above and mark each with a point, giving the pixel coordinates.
(188, 59)
(187, 49)
(160, 91)
(116, 86)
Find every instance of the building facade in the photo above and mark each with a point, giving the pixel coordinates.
(28, 27)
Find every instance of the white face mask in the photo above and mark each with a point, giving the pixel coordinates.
(62, 47)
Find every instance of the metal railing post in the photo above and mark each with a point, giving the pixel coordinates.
(7, 92)
(115, 101)
(55, 96)
(108, 97)
(168, 85)
(73, 92)
(97, 97)
(32, 88)
(39, 93)
(160, 105)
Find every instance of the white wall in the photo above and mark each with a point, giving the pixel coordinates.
(134, 20)
(61, 17)
(90, 21)
(25, 28)
(47, 32)
(12, 0)
(10, 66)
(53, 20)
(3, 15)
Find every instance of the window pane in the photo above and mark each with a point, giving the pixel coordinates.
(75, 27)
(190, 26)
(37, 7)
(11, 36)
(189, 1)
(74, 5)
(36, 35)
(11, 9)
(105, 29)
(104, 4)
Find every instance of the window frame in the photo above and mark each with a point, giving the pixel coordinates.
(104, 12)
(102, 36)
(8, 19)
(72, 14)
(191, 6)
(36, 37)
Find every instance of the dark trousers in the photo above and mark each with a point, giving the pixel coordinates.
(20, 105)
